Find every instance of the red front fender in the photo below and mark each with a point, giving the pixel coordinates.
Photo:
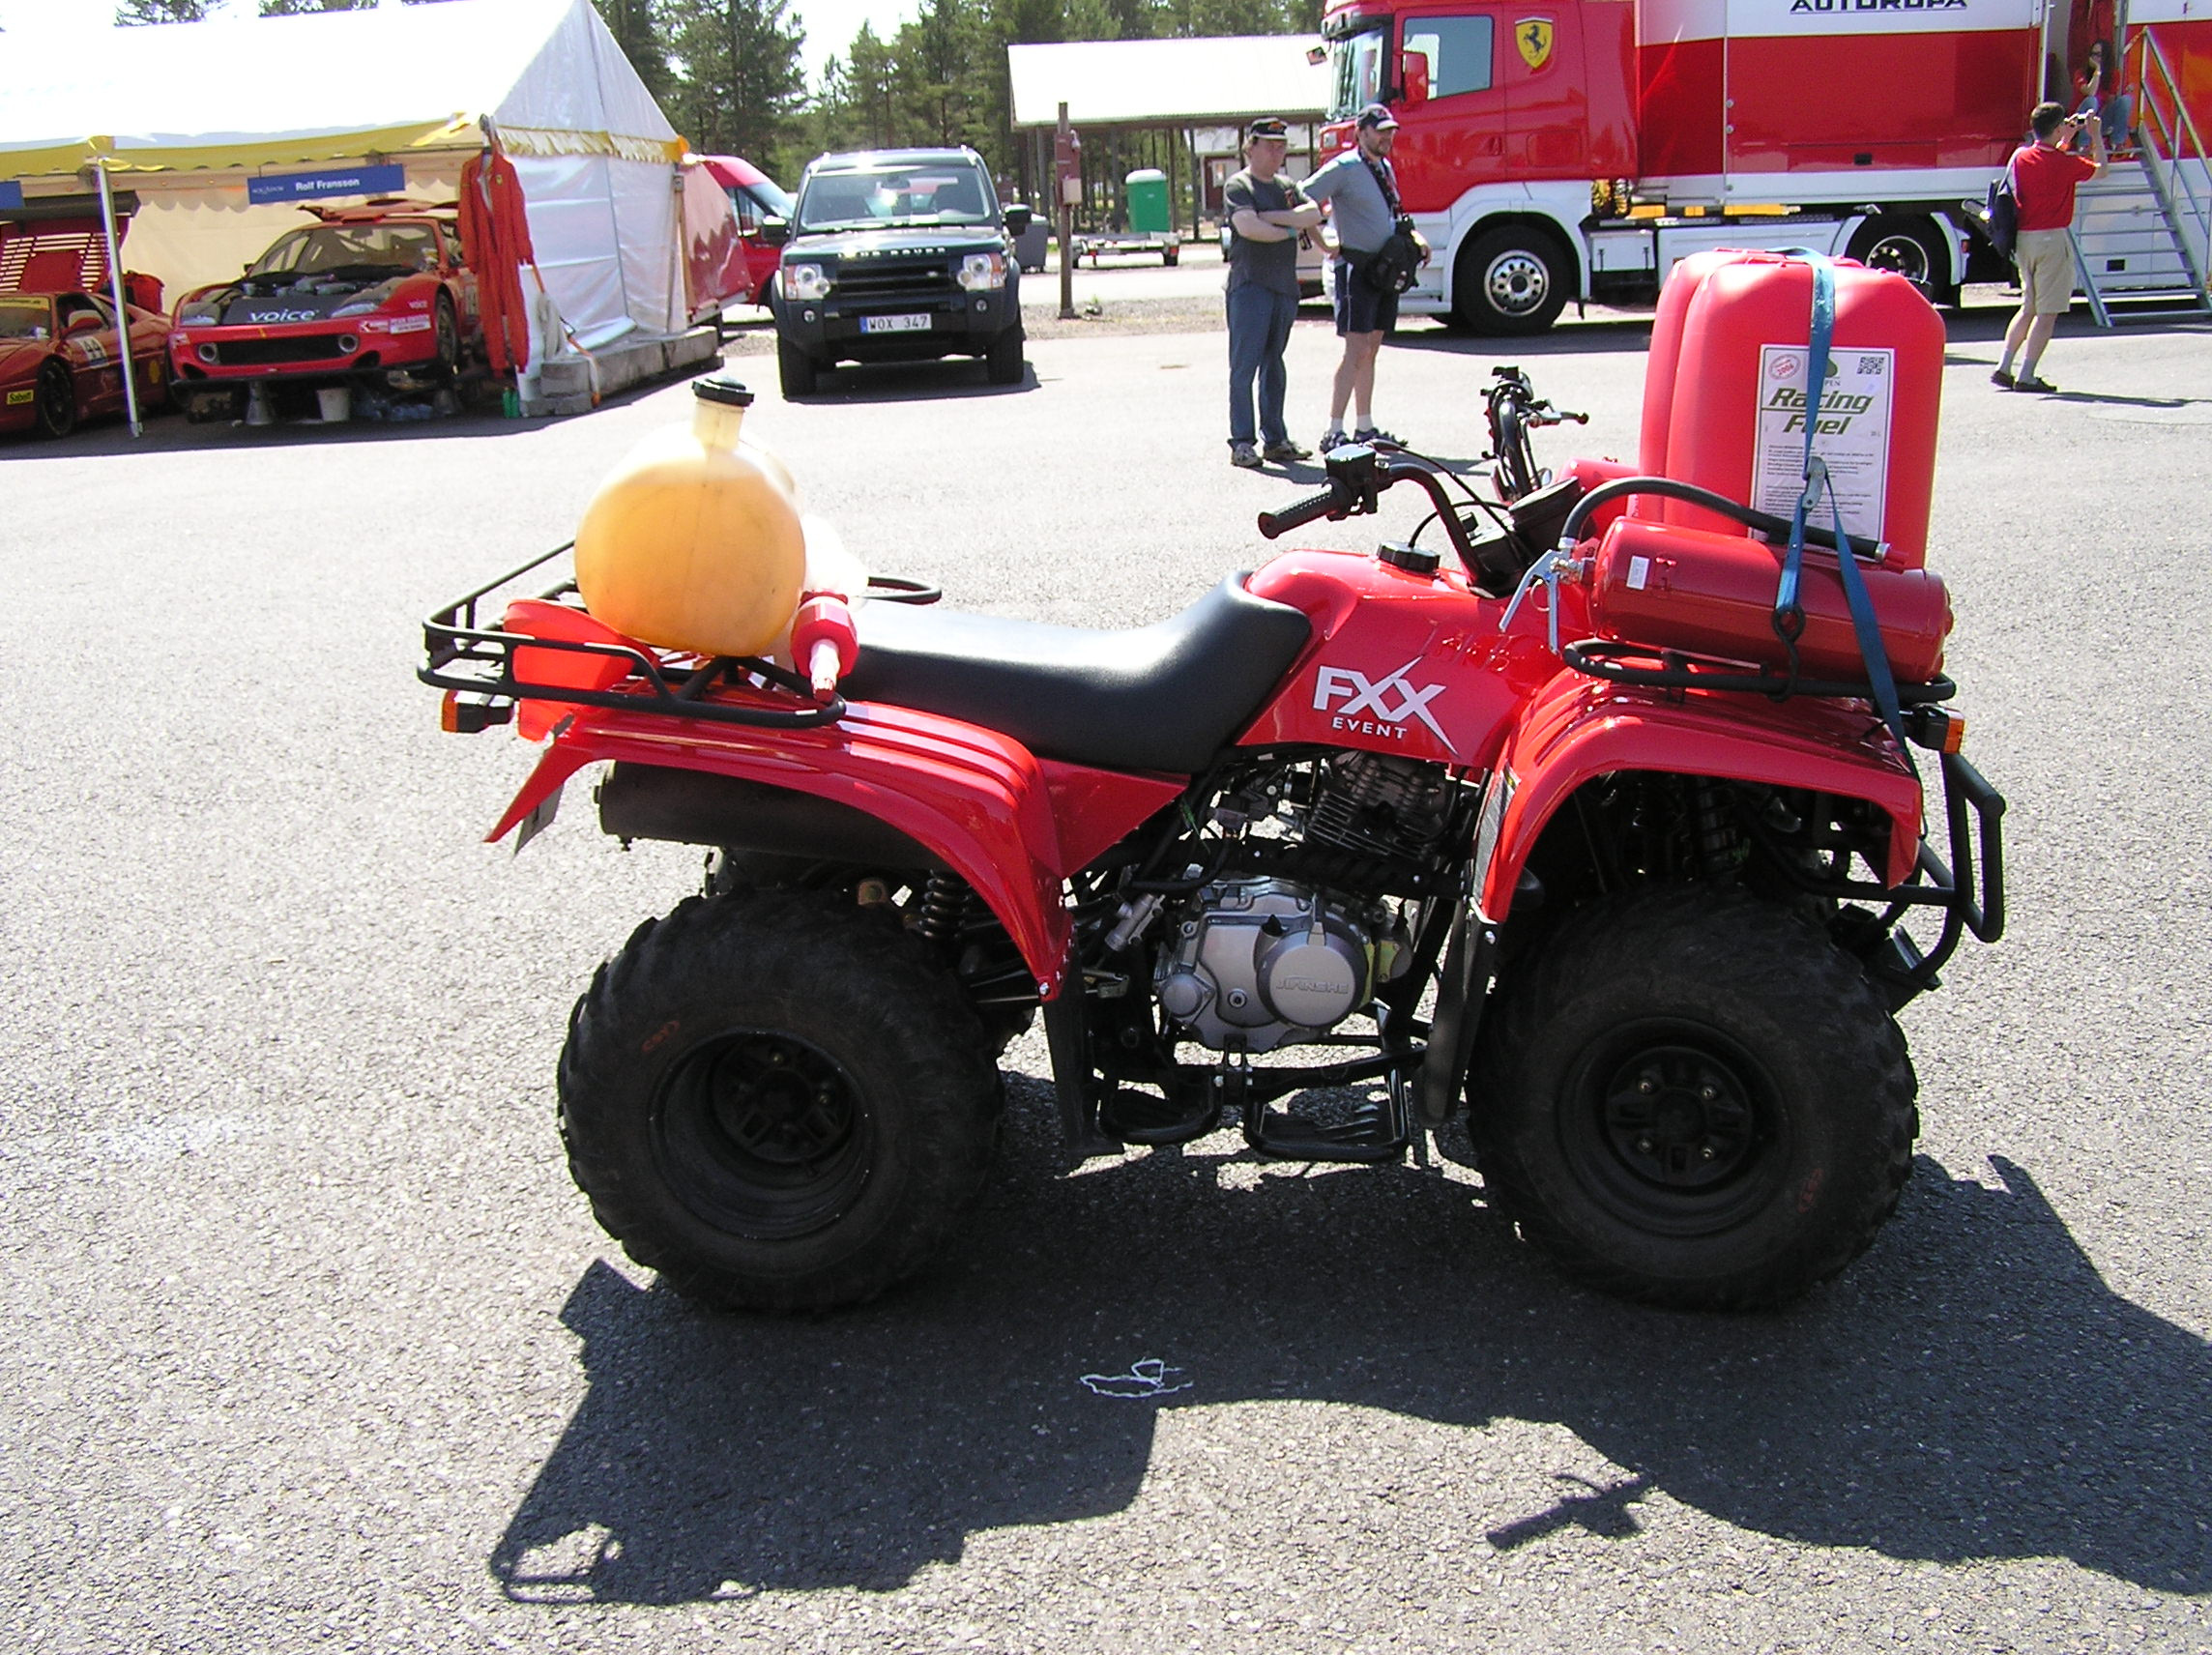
(1578, 729)
(1012, 825)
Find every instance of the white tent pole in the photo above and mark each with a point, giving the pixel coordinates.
(115, 290)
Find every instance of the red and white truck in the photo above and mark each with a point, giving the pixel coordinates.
(1552, 150)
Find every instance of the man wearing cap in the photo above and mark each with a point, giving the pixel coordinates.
(1360, 191)
(1266, 215)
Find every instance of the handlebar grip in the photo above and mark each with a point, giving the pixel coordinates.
(1276, 523)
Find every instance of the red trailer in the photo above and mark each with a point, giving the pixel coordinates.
(1577, 148)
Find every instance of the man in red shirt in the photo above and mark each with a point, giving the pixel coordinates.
(2043, 176)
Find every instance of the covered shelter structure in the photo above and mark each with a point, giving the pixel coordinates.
(1180, 104)
(226, 129)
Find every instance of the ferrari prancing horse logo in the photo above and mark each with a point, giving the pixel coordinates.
(1533, 35)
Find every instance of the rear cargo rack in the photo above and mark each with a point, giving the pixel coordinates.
(1685, 669)
(479, 662)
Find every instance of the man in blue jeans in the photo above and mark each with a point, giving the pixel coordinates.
(1266, 215)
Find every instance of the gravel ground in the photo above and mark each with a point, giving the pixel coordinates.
(311, 1345)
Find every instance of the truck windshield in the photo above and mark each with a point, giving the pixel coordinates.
(1358, 70)
(870, 197)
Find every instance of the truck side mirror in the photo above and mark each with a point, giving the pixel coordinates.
(1413, 77)
(774, 232)
(1017, 219)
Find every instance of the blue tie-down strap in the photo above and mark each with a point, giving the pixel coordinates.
(1789, 612)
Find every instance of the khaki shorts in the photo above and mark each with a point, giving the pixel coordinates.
(2046, 260)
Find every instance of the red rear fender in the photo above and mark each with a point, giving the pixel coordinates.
(1579, 729)
(1010, 824)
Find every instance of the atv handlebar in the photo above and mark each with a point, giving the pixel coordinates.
(1357, 476)
(1274, 523)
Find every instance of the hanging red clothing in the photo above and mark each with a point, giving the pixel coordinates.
(495, 240)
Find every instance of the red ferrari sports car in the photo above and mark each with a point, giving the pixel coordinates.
(375, 294)
(60, 360)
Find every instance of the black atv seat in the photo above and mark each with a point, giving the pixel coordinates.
(1164, 697)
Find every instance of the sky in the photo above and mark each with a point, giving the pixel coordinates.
(831, 24)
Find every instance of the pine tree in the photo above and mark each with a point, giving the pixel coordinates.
(132, 13)
(637, 28)
(739, 82)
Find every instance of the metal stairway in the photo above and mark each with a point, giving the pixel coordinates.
(2142, 231)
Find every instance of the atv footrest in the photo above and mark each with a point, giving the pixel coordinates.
(1368, 1135)
(1131, 1117)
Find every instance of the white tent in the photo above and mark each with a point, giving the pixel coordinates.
(190, 116)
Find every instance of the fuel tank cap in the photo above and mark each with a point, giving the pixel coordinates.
(1414, 560)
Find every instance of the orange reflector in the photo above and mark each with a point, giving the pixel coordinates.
(449, 713)
(1953, 732)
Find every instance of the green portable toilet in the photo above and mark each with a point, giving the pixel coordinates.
(1147, 193)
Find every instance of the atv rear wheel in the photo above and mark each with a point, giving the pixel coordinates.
(1693, 1098)
(776, 1101)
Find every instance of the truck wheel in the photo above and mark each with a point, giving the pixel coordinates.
(776, 1101)
(1513, 279)
(794, 370)
(1913, 246)
(56, 400)
(1694, 1099)
(1003, 361)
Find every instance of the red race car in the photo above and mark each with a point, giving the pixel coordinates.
(60, 361)
(374, 294)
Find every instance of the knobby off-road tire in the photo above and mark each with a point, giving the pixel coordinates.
(1691, 1099)
(776, 1101)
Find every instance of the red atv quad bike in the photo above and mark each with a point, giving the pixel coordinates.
(1351, 845)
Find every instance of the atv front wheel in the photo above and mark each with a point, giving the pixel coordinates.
(1693, 1098)
(777, 1100)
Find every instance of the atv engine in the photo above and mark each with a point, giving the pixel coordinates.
(1250, 964)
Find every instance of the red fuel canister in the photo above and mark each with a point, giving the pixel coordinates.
(1675, 295)
(1669, 587)
(1738, 404)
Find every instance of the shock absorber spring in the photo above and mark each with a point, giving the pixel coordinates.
(1716, 834)
(939, 909)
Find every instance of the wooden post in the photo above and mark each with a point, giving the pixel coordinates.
(1066, 224)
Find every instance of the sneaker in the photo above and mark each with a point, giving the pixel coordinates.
(1244, 455)
(2003, 377)
(1285, 453)
(2035, 383)
(1332, 440)
(1376, 434)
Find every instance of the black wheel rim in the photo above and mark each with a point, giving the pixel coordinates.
(764, 1134)
(57, 401)
(1673, 1128)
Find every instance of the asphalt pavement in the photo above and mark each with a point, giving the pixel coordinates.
(310, 1344)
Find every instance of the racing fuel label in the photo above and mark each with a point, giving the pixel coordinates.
(1377, 706)
(1849, 422)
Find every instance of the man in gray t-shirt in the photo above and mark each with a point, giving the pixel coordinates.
(1266, 215)
(1360, 191)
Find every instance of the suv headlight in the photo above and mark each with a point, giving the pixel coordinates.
(806, 282)
(982, 270)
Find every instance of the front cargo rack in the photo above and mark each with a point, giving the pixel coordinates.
(487, 669)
